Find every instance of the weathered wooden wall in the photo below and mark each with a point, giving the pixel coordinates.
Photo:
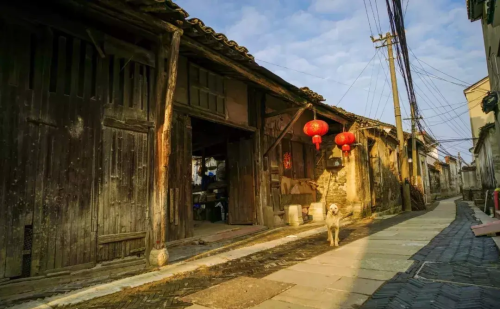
(75, 155)
(179, 202)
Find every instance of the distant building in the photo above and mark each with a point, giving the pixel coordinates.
(474, 95)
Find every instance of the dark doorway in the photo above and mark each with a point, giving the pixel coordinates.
(222, 177)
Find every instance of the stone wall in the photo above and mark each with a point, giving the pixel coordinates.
(333, 181)
(367, 179)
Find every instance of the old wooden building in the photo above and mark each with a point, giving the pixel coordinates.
(107, 106)
(104, 106)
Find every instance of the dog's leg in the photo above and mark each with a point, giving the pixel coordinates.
(331, 237)
(329, 233)
(336, 236)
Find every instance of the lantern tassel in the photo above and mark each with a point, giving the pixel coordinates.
(316, 140)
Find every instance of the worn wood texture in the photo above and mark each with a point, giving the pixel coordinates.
(298, 162)
(164, 149)
(179, 204)
(65, 180)
(241, 182)
(287, 128)
(206, 90)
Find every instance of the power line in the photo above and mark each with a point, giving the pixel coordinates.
(368, 95)
(438, 69)
(439, 92)
(373, 97)
(338, 104)
(442, 79)
(457, 115)
(383, 89)
(378, 15)
(406, 8)
(374, 18)
(450, 105)
(368, 18)
(309, 74)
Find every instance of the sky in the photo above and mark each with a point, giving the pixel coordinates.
(326, 46)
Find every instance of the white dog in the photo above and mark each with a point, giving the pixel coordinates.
(333, 223)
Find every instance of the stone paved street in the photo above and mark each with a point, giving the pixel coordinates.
(415, 260)
(168, 293)
(455, 270)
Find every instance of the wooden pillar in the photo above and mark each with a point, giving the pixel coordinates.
(165, 91)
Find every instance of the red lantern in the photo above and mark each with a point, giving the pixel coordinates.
(345, 138)
(350, 137)
(346, 148)
(316, 129)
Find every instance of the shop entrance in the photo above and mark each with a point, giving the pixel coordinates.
(222, 177)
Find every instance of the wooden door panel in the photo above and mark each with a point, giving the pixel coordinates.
(179, 201)
(124, 207)
(241, 182)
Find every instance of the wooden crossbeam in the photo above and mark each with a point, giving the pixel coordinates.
(285, 130)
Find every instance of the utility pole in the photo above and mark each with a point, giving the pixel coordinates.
(460, 172)
(414, 158)
(403, 155)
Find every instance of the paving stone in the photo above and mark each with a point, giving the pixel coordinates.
(239, 293)
(456, 256)
(303, 279)
(276, 304)
(344, 271)
(321, 298)
(366, 263)
(356, 285)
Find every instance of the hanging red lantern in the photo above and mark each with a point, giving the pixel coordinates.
(316, 129)
(350, 138)
(345, 138)
(346, 148)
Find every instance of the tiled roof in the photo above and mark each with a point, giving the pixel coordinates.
(196, 29)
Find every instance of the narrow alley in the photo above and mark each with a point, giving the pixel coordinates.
(156, 154)
(414, 260)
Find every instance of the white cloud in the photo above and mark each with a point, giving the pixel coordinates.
(330, 39)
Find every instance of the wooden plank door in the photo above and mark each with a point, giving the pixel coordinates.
(123, 217)
(241, 182)
(179, 201)
(50, 97)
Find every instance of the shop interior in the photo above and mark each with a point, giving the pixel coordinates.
(210, 179)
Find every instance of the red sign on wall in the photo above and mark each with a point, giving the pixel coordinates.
(287, 160)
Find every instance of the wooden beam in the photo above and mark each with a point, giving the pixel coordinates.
(135, 16)
(166, 132)
(330, 115)
(210, 116)
(283, 111)
(285, 130)
(106, 239)
(245, 72)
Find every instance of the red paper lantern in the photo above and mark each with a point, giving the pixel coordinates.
(345, 138)
(346, 148)
(316, 129)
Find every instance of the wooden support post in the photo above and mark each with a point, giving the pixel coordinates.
(285, 130)
(159, 256)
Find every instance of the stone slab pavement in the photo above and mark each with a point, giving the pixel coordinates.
(348, 276)
(165, 272)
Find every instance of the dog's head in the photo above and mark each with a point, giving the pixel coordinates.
(334, 209)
